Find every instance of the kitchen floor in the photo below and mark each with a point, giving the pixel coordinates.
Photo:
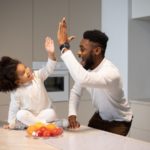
(15, 139)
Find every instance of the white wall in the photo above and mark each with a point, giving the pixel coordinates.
(129, 49)
(128, 46)
(139, 59)
(139, 52)
(115, 24)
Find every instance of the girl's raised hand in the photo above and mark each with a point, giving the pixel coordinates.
(49, 45)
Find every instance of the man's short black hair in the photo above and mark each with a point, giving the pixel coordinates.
(8, 75)
(98, 37)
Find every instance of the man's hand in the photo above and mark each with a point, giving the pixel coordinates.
(73, 122)
(62, 35)
(62, 32)
(49, 46)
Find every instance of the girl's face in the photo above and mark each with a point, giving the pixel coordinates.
(24, 74)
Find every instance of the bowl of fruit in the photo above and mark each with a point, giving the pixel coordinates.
(44, 130)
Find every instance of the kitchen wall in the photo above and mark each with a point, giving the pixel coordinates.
(128, 45)
(139, 83)
(26, 23)
(128, 48)
(115, 24)
(139, 50)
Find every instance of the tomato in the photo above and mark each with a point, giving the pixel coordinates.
(57, 131)
(39, 133)
(43, 128)
(60, 131)
(46, 133)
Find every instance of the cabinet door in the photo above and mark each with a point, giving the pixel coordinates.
(80, 15)
(16, 29)
(46, 16)
(15, 37)
(84, 15)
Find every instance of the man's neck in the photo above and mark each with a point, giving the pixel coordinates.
(97, 62)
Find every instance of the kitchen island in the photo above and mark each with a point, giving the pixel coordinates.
(84, 138)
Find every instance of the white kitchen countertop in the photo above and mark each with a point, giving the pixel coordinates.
(87, 138)
(84, 138)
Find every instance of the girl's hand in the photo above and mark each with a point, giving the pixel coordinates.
(49, 45)
(6, 126)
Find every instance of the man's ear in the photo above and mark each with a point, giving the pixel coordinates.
(97, 50)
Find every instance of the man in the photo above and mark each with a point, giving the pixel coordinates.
(100, 77)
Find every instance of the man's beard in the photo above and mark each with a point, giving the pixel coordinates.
(89, 62)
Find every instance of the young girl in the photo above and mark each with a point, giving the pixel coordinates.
(29, 99)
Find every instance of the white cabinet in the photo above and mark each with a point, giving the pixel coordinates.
(140, 128)
(84, 15)
(46, 17)
(80, 15)
(16, 29)
(15, 37)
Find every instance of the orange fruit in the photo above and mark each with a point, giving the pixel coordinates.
(30, 129)
(38, 125)
(51, 126)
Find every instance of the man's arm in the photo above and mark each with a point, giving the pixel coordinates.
(74, 101)
(78, 73)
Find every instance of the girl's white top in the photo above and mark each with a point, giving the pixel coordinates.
(32, 96)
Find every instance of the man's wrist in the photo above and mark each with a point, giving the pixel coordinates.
(66, 45)
(72, 117)
(63, 50)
